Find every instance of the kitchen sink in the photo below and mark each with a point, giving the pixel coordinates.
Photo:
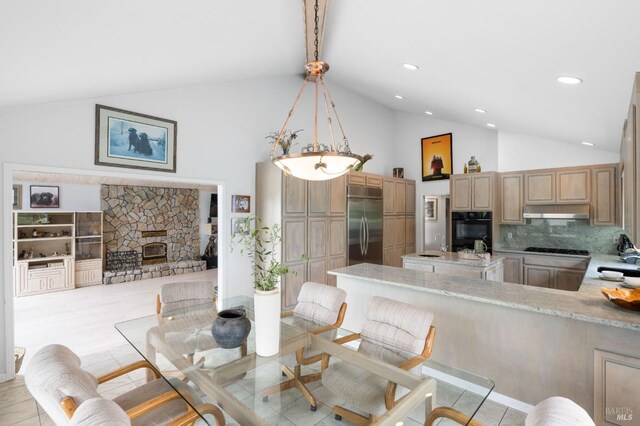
(625, 271)
(437, 255)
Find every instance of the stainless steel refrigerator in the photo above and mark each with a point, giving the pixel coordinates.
(364, 210)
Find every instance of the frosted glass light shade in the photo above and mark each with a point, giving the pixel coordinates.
(317, 165)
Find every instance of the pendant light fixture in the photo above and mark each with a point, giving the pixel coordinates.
(317, 161)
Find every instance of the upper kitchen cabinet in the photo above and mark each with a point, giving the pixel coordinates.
(394, 196)
(512, 198)
(572, 186)
(294, 201)
(328, 197)
(364, 179)
(410, 197)
(540, 188)
(629, 160)
(604, 195)
(473, 191)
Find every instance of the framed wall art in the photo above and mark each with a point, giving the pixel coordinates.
(430, 209)
(134, 140)
(17, 197)
(44, 197)
(241, 204)
(240, 225)
(437, 158)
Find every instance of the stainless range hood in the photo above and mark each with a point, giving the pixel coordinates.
(556, 211)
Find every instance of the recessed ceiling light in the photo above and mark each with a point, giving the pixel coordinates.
(480, 110)
(491, 125)
(410, 67)
(587, 143)
(565, 79)
(428, 112)
(399, 97)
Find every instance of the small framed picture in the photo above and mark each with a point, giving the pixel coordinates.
(44, 197)
(240, 225)
(17, 197)
(241, 204)
(430, 208)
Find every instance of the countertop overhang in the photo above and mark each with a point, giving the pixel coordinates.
(452, 258)
(587, 304)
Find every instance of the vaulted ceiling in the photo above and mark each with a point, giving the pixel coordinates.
(500, 55)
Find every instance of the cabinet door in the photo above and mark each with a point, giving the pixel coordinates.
(317, 232)
(335, 263)
(388, 228)
(616, 380)
(337, 236)
(398, 252)
(572, 186)
(399, 200)
(512, 269)
(357, 178)
(566, 279)
(294, 200)
(482, 192)
(294, 237)
(540, 187)
(399, 231)
(460, 188)
(57, 281)
(539, 276)
(387, 256)
(338, 196)
(388, 196)
(410, 198)
(410, 234)
(495, 273)
(21, 278)
(374, 181)
(318, 271)
(318, 197)
(603, 196)
(292, 283)
(511, 199)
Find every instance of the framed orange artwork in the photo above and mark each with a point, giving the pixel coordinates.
(437, 157)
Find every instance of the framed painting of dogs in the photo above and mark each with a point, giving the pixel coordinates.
(134, 140)
(44, 197)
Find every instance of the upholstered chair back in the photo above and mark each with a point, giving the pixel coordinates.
(181, 295)
(394, 331)
(54, 373)
(319, 303)
(558, 411)
(99, 412)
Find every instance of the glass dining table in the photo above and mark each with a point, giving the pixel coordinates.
(180, 346)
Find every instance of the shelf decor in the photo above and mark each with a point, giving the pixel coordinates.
(45, 197)
(437, 157)
(134, 140)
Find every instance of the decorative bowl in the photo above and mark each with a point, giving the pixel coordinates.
(625, 298)
(631, 282)
(612, 275)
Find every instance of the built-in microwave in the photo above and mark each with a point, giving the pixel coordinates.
(467, 227)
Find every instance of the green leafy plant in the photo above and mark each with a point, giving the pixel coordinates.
(288, 138)
(358, 167)
(260, 243)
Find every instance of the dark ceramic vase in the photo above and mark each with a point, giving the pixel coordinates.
(231, 328)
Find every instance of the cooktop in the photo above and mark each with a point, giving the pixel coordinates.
(557, 251)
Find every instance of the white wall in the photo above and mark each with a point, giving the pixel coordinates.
(72, 197)
(522, 152)
(221, 135)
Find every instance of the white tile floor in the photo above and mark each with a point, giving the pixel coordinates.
(83, 319)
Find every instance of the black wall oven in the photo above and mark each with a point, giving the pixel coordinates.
(467, 227)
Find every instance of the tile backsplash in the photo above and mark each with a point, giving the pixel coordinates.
(576, 234)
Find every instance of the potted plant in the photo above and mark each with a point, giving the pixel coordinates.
(260, 243)
(287, 140)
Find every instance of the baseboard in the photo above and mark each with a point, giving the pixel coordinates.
(494, 396)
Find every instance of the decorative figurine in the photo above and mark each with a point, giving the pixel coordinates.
(35, 233)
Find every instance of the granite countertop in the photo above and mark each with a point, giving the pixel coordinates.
(533, 253)
(449, 257)
(587, 304)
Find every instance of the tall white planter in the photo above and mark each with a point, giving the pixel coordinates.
(267, 322)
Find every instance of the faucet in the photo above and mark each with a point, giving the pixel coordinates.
(443, 242)
(630, 257)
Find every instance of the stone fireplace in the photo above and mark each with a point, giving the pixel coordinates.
(162, 224)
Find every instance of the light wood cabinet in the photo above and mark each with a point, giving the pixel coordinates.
(357, 178)
(318, 232)
(338, 196)
(327, 197)
(399, 197)
(540, 188)
(388, 196)
(394, 240)
(511, 199)
(410, 234)
(292, 283)
(573, 186)
(294, 237)
(337, 237)
(538, 276)
(374, 181)
(473, 191)
(335, 263)
(410, 197)
(603, 196)
(460, 188)
(567, 279)
(561, 273)
(317, 197)
(294, 199)
(512, 265)
(616, 381)
(318, 270)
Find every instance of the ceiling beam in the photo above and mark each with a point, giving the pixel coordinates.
(309, 25)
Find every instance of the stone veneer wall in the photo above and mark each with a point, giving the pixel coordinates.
(129, 210)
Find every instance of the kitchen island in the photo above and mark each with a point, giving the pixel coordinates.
(452, 264)
(533, 342)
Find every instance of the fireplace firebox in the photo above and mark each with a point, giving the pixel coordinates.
(153, 253)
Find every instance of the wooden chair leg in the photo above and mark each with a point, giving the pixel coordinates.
(354, 418)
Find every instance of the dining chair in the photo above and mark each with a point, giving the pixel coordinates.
(320, 309)
(553, 411)
(69, 394)
(394, 332)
